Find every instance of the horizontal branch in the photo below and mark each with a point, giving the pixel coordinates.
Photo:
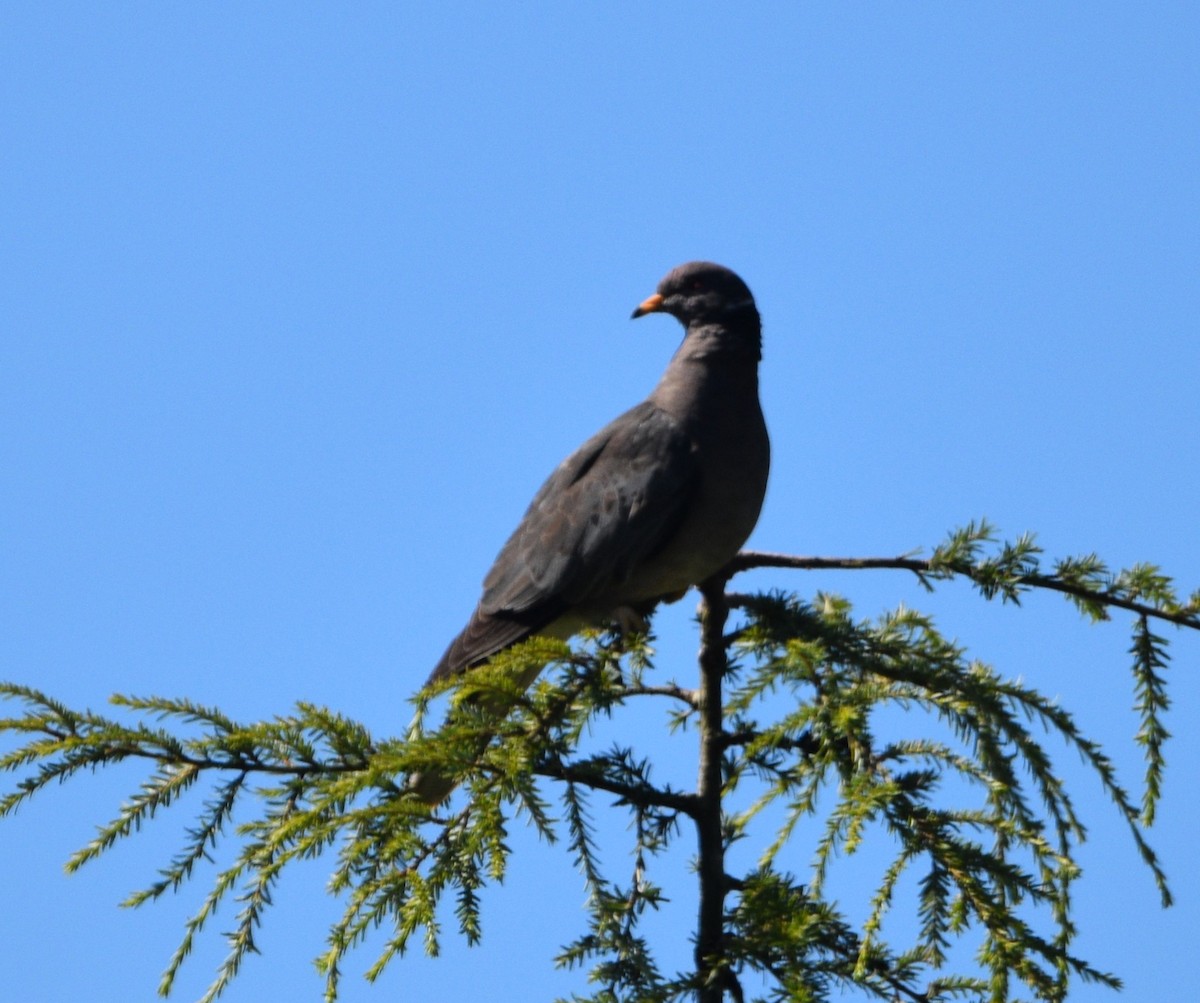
(673, 690)
(239, 762)
(803, 743)
(748, 559)
(642, 795)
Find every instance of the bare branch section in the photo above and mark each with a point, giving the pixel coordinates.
(1141, 590)
(787, 695)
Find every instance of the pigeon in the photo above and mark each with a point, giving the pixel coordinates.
(654, 503)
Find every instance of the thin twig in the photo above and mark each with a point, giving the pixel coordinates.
(681, 693)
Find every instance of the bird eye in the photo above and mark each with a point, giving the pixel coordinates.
(697, 285)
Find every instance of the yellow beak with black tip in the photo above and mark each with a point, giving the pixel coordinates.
(652, 304)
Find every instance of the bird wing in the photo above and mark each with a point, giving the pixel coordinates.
(609, 506)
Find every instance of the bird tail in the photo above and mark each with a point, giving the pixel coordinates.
(432, 787)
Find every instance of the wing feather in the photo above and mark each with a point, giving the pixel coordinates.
(609, 506)
(612, 504)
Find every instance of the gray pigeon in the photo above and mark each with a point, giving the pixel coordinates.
(652, 504)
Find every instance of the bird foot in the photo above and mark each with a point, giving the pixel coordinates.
(630, 621)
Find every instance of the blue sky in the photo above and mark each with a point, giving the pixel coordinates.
(303, 301)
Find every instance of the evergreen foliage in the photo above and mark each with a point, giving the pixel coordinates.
(786, 715)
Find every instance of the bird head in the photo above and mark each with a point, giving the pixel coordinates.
(699, 292)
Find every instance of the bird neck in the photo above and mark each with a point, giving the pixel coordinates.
(715, 358)
(737, 336)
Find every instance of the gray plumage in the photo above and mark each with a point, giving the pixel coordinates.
(654, 503)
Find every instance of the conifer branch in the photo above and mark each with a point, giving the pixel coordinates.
(786, 704)
(591, 773)
(1085, 580)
